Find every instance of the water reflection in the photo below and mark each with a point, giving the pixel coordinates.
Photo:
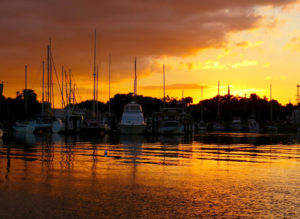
(159, 176)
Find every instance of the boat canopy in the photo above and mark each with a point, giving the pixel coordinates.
(133, 107)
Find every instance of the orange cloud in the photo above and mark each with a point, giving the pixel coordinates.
(293, 44)
(146, 29)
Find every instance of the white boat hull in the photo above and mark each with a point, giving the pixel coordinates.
(31, 127)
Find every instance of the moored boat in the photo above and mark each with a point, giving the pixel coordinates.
(236, 124)
(132, 121)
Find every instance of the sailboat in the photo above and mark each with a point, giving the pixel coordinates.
(132, 121)
(271, 127)
(218, 126)
(66, 120)
(40, 124)
(169, 118)
(93, 125)
(202, 126)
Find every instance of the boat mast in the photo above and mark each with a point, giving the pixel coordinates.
(25, 92)
(70, 87)
(48, 75)
(62, 87)
(218, 113)
(43, 85)
(135, 82)
(51, 77)
(164, 85)
(182, 101)
(94, 74)
(271, 110)
(66, 81)
(109, 63)
(201, 103)
(97, 91)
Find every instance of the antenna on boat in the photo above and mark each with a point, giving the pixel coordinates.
(135, 78)
(164, 85)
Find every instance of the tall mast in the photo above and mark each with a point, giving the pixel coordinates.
(182, 100)
(48, 74)
(271, 110)
(70, 87)
(43, 87)
(97, 91)
(25, 92)
(135, 82)
(25, 77)
(109, 63)
(201, 103)
(94, 74)
(51, 76)
(66, 81)
(62, 87)
(218, 113)
(164, 85)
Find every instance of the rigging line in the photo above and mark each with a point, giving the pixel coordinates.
(76, 88)
(61, 92)
(74, 79)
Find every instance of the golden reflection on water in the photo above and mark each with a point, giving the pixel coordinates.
(207, 175)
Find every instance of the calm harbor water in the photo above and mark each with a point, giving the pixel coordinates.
(206, 175)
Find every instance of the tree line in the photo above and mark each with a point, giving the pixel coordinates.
(13, 109)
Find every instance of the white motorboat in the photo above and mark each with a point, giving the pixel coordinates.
(132, 121)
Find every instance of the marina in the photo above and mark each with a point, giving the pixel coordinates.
(149, 109)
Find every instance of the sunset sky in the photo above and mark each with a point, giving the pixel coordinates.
(248, 44)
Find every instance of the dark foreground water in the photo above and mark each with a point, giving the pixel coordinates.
(207, 175)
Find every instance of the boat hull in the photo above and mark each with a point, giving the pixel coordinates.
(171, 130)
(133, 129)
(32, 127)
